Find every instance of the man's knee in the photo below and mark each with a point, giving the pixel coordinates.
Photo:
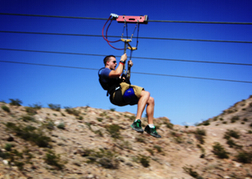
(151, 100)
(145, 94)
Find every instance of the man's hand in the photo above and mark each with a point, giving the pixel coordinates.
(130, 63)
(123, 57)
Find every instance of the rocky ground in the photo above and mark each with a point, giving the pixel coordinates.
(84, 142)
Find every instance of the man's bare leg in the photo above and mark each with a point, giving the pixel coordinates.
(144, 100)
(150, 110)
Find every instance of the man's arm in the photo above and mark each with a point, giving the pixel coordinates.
(118, 71)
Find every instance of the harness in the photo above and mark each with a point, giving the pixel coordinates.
(114, 90)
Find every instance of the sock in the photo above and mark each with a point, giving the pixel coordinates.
(136, 120)
(151, 125)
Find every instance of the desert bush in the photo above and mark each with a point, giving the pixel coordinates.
(150, 151)
(36, 106)
(169, 125)
(114, 131)
(229, 111)
(232, 144)
(61, 125)
(103, 114)
(158, 148)
(29, 133)
(123, 144)
(220, 151)
(112, 109)
(98, 132)
(99, 119)
(234, 119)
(52, 159)
(245, 119)
(204, 123)
(30, 110)
(144, 160)
(244, 157)
(6, 109)
(202, 151)
(15, 157)
(49, 125)
(177, 137)
(15, 102)
(200, 134)
(140, 139)
(8, 146)
(28, 118)
(88, 124)
(231, 133)
(55, 107)
(200, 138)
(103, 157)
(191, 172)
(72, 111)
(79, 117)
(215, 119)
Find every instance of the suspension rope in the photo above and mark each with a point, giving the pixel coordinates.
(147, 38)
(107, 35)
(155, 74)
(160, 21)
(149, 58)
(137, 35)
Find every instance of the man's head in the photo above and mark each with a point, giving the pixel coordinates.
(110, 62)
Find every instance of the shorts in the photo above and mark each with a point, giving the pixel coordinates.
(137, 89)
(117, 97)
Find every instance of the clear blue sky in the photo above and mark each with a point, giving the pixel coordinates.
(183, 100)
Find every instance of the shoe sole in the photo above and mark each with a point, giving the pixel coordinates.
(153, 135)
(140, 131)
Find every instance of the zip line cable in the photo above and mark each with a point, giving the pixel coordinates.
(149, 58)
(155, 74)
(160, 21)
(148, 38)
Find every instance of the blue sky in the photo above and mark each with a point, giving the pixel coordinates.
(182, 100)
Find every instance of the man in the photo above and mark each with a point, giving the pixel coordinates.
(118, 87)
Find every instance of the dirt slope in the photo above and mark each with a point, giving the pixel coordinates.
(85, 142)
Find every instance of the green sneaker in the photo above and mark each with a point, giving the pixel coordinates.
(152, 131)
(136, 125)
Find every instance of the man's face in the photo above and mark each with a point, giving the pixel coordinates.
(112, 63)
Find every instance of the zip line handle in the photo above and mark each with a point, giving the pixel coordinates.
(128, 71)
(128, 46)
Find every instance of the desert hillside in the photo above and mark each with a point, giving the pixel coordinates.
(89, 143)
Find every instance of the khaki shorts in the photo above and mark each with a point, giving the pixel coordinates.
(137, 89)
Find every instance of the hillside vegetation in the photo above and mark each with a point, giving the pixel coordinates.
(89, 143)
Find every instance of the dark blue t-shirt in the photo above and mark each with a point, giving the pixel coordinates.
(104, 75)
(107, 82)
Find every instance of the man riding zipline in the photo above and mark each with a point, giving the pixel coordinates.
(118, 84)
(123, 93)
